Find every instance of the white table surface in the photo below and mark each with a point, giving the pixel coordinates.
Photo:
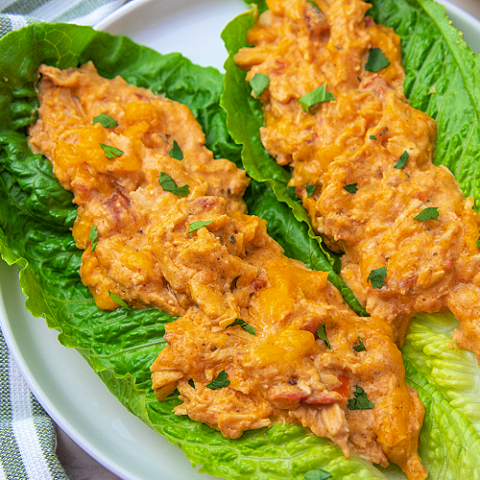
(78, 464)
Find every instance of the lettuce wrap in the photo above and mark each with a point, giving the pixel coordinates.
(441, 80)
(36, 215)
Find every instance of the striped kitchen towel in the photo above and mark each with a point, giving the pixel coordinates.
(27, 434)
(15, 14)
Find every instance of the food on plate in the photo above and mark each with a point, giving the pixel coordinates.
(120, 345)
(261, 338)
(362, 161)
(435, 55)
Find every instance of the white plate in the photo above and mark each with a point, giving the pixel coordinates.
(61, 380)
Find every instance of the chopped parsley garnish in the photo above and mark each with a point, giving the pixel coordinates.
(377, 277)
(292, 193)
(322, 335)
(310, 189)
(191, 383)
(233, 285)
(319, 95)
(111, 152)
(376, 60)
(93, 236)
(478, 242)
(428, 213)
(118, 300)
(247, 327)
(360, 402)
(175, 152)
(259, 83)
(220, 382)
(169, 185)
(317, 474)
(360, 347)
(105, 120)
(197, 225)
(351, 188)
(402, 160)
(373, 137)
(314, 5)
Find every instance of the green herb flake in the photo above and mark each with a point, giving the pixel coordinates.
(169, 185)
(310, 189)
(360, 347)
(197, 225)
(111, 152)
(377, 277)
(291, 192)
(175, 152)
(118, 300)
(402, 160)
(314, 5)
(247, 327)
(319, 95)
(360, 402)
(373, 137)
(317, 474)
(93, 236)
(233, 284)
(351, 188)
(376, 60)
(191, 383)
(322, 335)
(428, 213)
(478, 242)
(105, 121)
(220, 382)
(259, 83)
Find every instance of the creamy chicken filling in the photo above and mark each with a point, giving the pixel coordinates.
(408, 233)
(260, 338)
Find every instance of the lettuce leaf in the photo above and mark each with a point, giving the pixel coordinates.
(441, 79)
(36, 215)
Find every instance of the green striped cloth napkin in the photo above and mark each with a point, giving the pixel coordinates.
(27, 434)
(15, 14)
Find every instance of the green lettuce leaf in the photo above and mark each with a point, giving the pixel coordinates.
(36, 215)
(441, 79)
(454, 371)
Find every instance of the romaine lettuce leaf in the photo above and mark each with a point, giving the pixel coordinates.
(454, 371)
(441, 80)
(36, 215)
